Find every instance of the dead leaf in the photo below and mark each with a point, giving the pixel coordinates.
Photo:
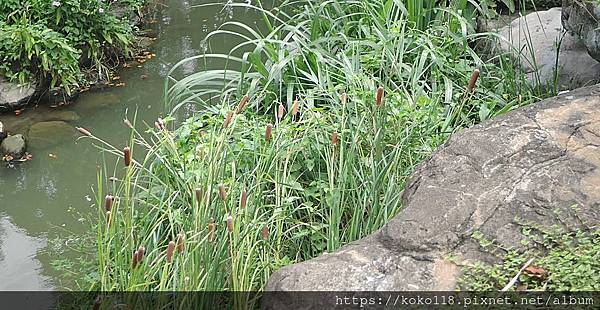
(535, 271)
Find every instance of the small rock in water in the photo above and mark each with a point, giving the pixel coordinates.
(2, 133)
(13, 146)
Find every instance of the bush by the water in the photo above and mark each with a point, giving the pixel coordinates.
(48, 37)
(344, 99)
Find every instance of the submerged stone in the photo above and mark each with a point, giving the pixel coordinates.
(47, 134)
(14, 146)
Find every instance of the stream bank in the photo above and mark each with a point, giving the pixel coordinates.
(45, 203)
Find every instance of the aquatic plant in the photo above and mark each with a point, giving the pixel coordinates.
(316, 131)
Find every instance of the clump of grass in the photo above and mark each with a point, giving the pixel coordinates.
(304, 133)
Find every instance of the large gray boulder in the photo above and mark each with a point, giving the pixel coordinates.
(549, 57)
(14, 96)
(531, 163)
(582, 18)
(14, 146)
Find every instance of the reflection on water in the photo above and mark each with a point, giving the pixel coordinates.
(19, 268)
(54, 189)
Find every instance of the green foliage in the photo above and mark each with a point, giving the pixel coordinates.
(25, 47)
(569, 261)
(50, 36)
(314, 192)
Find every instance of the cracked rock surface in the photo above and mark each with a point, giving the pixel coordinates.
(530, 164)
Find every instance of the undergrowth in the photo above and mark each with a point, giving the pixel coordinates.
(561, 261)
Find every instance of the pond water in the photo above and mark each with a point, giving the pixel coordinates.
(48, 198)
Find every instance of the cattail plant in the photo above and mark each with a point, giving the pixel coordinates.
(222, 192)
(127, 156)
(134, 259)
(180, 243)
(84, 131)
(379, 96)
(108, 203)
(242, 104)
(295, 108)
(170, 250)
(344, 98)
(334, 138)
(243, 200)
(211, 230)
(138, 256)
(230, 223)
(199, 195)
(227, 119)
(265, 233)
(473, 80)
(268, 132)
(280, 112)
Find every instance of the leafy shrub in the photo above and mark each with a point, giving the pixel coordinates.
(52, 34)
(25, 47)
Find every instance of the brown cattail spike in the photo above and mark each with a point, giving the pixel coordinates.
(230, 223)
(140, 254)
(242, 104)
(211, 230)
(379, 96)
(127, 156)
(227, 119)
(280, 112)
(473, 80)
(344, 98)
(268, 132)
(170, 250)
(84, 131)
(295, 107)
(334, 138)
(265, 233)
(180, 243)
(222, 192)
(134, 259)
(243, 200)
(161, 123)
(108, 202)
(199, 195)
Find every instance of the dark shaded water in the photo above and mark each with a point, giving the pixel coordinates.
(49, 198)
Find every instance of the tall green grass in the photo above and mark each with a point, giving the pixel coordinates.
(319, 153)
